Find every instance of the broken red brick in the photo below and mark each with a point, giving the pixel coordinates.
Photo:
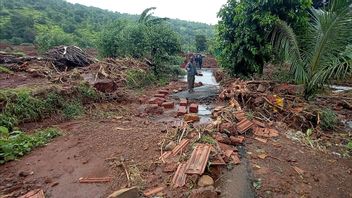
(199, 159)
(159, 95)
(237, 140)
(183, 102)
(165, 92)
(168, 105)
(154, 109)
(258, 123)
(244, 125)
(227, 128)
(240, 115)
(182, 110)
(193, 108)
(180, 176)
(150, 192)
(156, 100)
(265, 132)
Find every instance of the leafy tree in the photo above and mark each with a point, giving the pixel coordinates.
(51, 37)
(201, 43)
(244, 26)
(326, 53)
(110, 40)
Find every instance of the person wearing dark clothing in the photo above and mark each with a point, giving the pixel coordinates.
(199, 60)
(191, 73)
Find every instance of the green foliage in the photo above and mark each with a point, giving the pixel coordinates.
(21, 106)
(328, 119)
(324, 53)
(243, 29)
(25, 21)
(201, 43)
(349, 145)
(87, 94)
(110, 39)
(50, 37)
(72, 110)
(207, 139)
(17, 143)
(137, 78)
(5, 70)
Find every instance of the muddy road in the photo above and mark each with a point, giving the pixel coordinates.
(112, 138)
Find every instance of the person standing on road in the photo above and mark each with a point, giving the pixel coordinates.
(200, 61)
(191, 73)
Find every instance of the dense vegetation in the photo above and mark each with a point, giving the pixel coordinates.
(55, 22)
(243, 30)
(311, 36)
(326, 52)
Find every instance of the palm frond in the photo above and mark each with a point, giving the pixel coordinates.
(283, 38)
(329, 34)
(145, 15)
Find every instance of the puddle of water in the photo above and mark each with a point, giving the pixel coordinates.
(340, 88)
(207, 78)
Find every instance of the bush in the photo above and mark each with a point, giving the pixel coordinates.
(17, 143)
(51, 37)
(328, 119)
(72, 110)
(5, 70)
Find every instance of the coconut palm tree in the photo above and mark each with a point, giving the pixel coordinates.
(148, 19)
(324, 52)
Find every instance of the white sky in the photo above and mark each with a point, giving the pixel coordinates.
(192, 10)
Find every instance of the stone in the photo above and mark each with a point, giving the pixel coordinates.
(23, 173)
(204, 192)
(125, 193)
(105, 86)
(193, 108)
(154, 109)
(171, 145)
(191, 117)
(205, 180)
(168, 105)
(182, 110)
(183, 102)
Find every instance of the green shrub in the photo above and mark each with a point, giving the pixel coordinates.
(207, 139)
(5, 70)
(72, 110)
(328, 119)
(87, 93)
(17, 143)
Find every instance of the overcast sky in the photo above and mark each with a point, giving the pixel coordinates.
(192, 10)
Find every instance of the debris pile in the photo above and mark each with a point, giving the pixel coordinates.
(66, 57)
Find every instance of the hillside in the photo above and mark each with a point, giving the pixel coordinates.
(22, 20)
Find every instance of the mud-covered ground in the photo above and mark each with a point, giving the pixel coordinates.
(112, 137)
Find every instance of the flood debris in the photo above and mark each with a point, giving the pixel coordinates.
(95, 179)
(38, 193)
